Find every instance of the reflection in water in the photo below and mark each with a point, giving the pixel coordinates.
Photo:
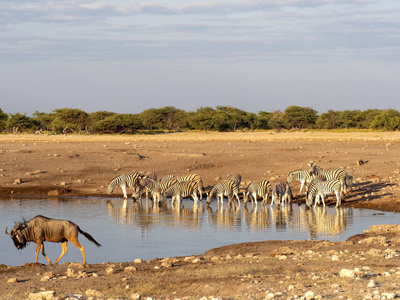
(142, 229)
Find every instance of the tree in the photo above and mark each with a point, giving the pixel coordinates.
(69, 119)
(263, 119)
(232, 116)
(18, 122)
(43, 119)
(276, 120)
(151, 118)
(203, 118)
(118, 123)
(386, 120)
(3, 120)
(365, 118)
(299, 117)
(329, 120)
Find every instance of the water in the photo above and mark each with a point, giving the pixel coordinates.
(143, 231)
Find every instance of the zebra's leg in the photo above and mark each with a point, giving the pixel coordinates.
(301, 187)
(338, 199)
(123, 187)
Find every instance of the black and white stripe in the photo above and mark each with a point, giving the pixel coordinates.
(257, 189)
(338, 174)
(193, 177)
(124, 181)
(281, 194)
(237, 178)
(181, 190)
(319, 188)
(227, 188)
(303, 176)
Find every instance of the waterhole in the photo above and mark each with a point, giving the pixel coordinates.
(129, 230)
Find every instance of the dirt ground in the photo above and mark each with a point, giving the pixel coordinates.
(64, 166)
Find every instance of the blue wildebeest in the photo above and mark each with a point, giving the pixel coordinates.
(40, 229)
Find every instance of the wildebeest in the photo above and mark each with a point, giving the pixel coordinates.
(40, 229)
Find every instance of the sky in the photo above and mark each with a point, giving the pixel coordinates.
(129, 56)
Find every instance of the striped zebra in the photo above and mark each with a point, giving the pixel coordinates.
(181, 190)
(124, 181)
(319, 188)
(257, 188)
(281, 193)
(303, 176)
(193, 177)
(237, 178)
(338, 174)
(227, 188)
(156, 188)
(167, 177)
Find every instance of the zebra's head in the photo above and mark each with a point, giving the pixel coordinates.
(209, 197)
(289, 177)
(110, 188)
(312, 166)
(309, 199)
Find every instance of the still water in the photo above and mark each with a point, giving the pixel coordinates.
(139, 230)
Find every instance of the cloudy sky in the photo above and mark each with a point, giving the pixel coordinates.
(128, 56)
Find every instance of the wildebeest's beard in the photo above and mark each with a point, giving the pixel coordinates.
(20, 242)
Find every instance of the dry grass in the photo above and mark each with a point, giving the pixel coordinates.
(211, 136)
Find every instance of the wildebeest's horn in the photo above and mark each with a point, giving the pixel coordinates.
(7, 232)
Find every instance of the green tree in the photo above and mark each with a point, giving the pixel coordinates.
(69, 119)
(387, 120)
(299, 117)
(203, 119)
(329, 120)
(118, 123)
(151, 118)
(230, 117)
(43, 119)
(365, 118)
(19, 122)
(3, 120)
(276, 121)
(263, 119)
(173, 118)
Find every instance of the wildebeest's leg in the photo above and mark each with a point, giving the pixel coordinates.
(63, 251)
(40, 246)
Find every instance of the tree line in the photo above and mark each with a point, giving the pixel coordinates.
(220, 118)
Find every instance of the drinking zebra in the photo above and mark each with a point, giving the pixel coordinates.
(303, 176)
(188, 177)
(281, 193)
(319, 188)
(257, 188)
(156, 188)
(237, 178)
(124, 181)
(227, 188)
(181, 190)
(338, 174)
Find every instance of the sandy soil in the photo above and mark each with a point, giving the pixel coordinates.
(83, 165)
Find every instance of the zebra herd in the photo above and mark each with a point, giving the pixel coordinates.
(317, 183)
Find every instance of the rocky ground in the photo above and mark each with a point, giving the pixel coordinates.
(366, 266)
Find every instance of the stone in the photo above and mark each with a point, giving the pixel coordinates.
(94, 293)
(110, 270)
(130, 269)
(309, 295)
(346, 273)
(12, 280)
(46, 295)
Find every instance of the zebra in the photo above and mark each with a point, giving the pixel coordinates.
(320, 188)
(338, 174)
(303, 176)
(257, 188)
(281, 194)
(193, 177)
(226, 188)
(156, 188)
(124, 181)
(349, 181)
(167, 177)
(181, 190)
(237, 178)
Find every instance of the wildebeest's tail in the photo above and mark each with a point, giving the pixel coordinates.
(89, 237)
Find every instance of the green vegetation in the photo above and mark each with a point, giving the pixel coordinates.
(220, 118)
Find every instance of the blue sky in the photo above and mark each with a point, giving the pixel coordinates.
(128, 56)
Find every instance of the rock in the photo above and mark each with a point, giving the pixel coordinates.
(110, 270)
(309, 295)
(136, 296)
(47, 295)
(12, 280)
(94, 293)
(70, 272)
(335, 257)
(18, 181)
(138, 261)
(374, 240)
(130, 269)
(346, 273)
